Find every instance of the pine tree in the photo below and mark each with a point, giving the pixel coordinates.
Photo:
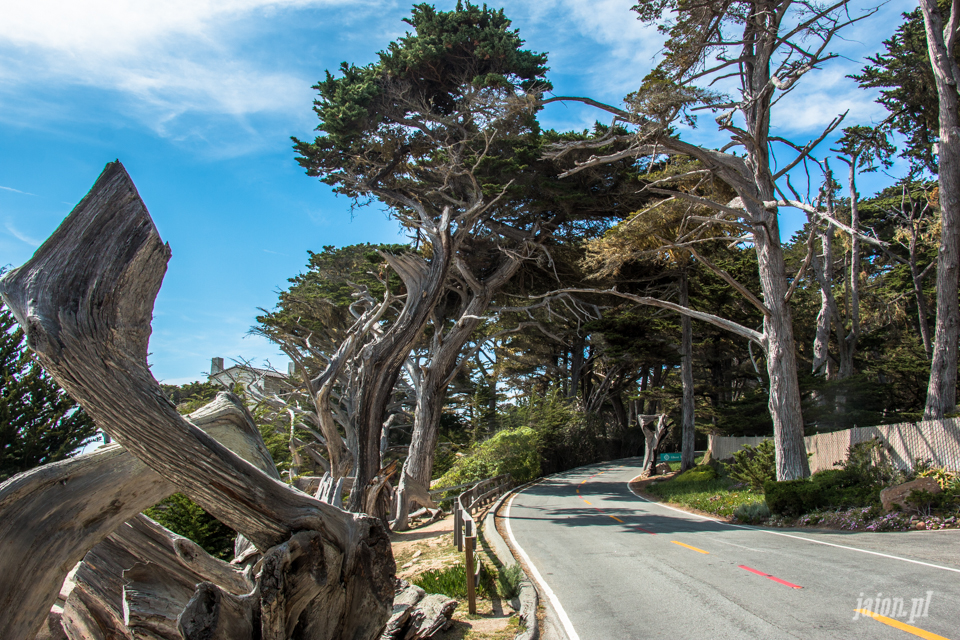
(39, 422)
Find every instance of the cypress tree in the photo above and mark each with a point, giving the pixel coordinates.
(39, 422)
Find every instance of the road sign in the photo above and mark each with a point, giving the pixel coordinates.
(669, 457)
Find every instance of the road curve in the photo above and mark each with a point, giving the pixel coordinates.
(616, 566)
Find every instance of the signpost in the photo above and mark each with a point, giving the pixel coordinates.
(669, 457)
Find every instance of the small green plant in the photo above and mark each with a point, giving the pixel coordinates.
(752, 513)
(870, 462)
(944, 478)
(508, 581)
(450, 581)
(923, 502)
(754, 465)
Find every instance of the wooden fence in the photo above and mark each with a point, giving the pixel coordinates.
(934, 440)
(465, 507)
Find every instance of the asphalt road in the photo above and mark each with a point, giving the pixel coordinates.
(616, 566)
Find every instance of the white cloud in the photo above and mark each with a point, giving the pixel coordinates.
(166, 57)
(11, 189)
(22, 237)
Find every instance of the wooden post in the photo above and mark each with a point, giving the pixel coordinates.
(471, 540)
(457, 526)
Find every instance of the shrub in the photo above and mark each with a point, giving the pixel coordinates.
(792, 497)
(450, 581)
(922, 501)
(753, 512)
(511, 451)
(754, 465)
(870, 463)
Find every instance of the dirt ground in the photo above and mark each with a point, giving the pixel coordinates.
(431, 547)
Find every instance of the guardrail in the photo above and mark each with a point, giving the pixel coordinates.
(465, 527)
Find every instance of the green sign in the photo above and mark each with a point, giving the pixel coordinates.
(669, 457)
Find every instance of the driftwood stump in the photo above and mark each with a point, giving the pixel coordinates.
(85, 301)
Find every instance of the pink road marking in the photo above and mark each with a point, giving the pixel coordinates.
(770, 577)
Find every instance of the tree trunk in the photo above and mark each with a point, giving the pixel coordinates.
(445, 363)
(688, 434)
(383, 359)
(847, 367)
(85, 300)
(942, 388)
(828, 316)
(784, 400)
(652, 434)
(916, 277)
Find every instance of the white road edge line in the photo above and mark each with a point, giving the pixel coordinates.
(788, 535)
(564, 620)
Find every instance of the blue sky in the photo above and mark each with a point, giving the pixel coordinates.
(198, 99)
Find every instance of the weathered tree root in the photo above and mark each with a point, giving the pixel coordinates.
(85, 301)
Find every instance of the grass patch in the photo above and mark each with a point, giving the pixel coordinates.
(701, 488)
(508, 581)
(450, 581)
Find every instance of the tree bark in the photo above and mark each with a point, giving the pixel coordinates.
(847, 367)
(445, 362)
(784, 400)
(942, 387)
(52, 515)
(687, 432)
(828, 314)
(85, 300)
(651, 435)
(383, 359)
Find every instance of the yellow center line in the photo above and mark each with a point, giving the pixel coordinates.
(689, 547)
(587, 501)
(896, 624)
(617, 519)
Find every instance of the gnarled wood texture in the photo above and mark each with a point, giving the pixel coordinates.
(85, 300)
(52, 515)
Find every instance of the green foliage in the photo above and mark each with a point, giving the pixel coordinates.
(190, 396)
(318, 300)
(923, 501)
(752, 513)
(904, 75)
(509, 579)
(512, 451)
(39, 422)
(701, 473)
(451, 582)
(705, 489)
(754, 466)
(183, 516)
(856, 485)
(832, 405)
(385, 120)
(868, 463)
(792, 497)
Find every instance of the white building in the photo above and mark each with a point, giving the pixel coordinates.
(262, 381)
